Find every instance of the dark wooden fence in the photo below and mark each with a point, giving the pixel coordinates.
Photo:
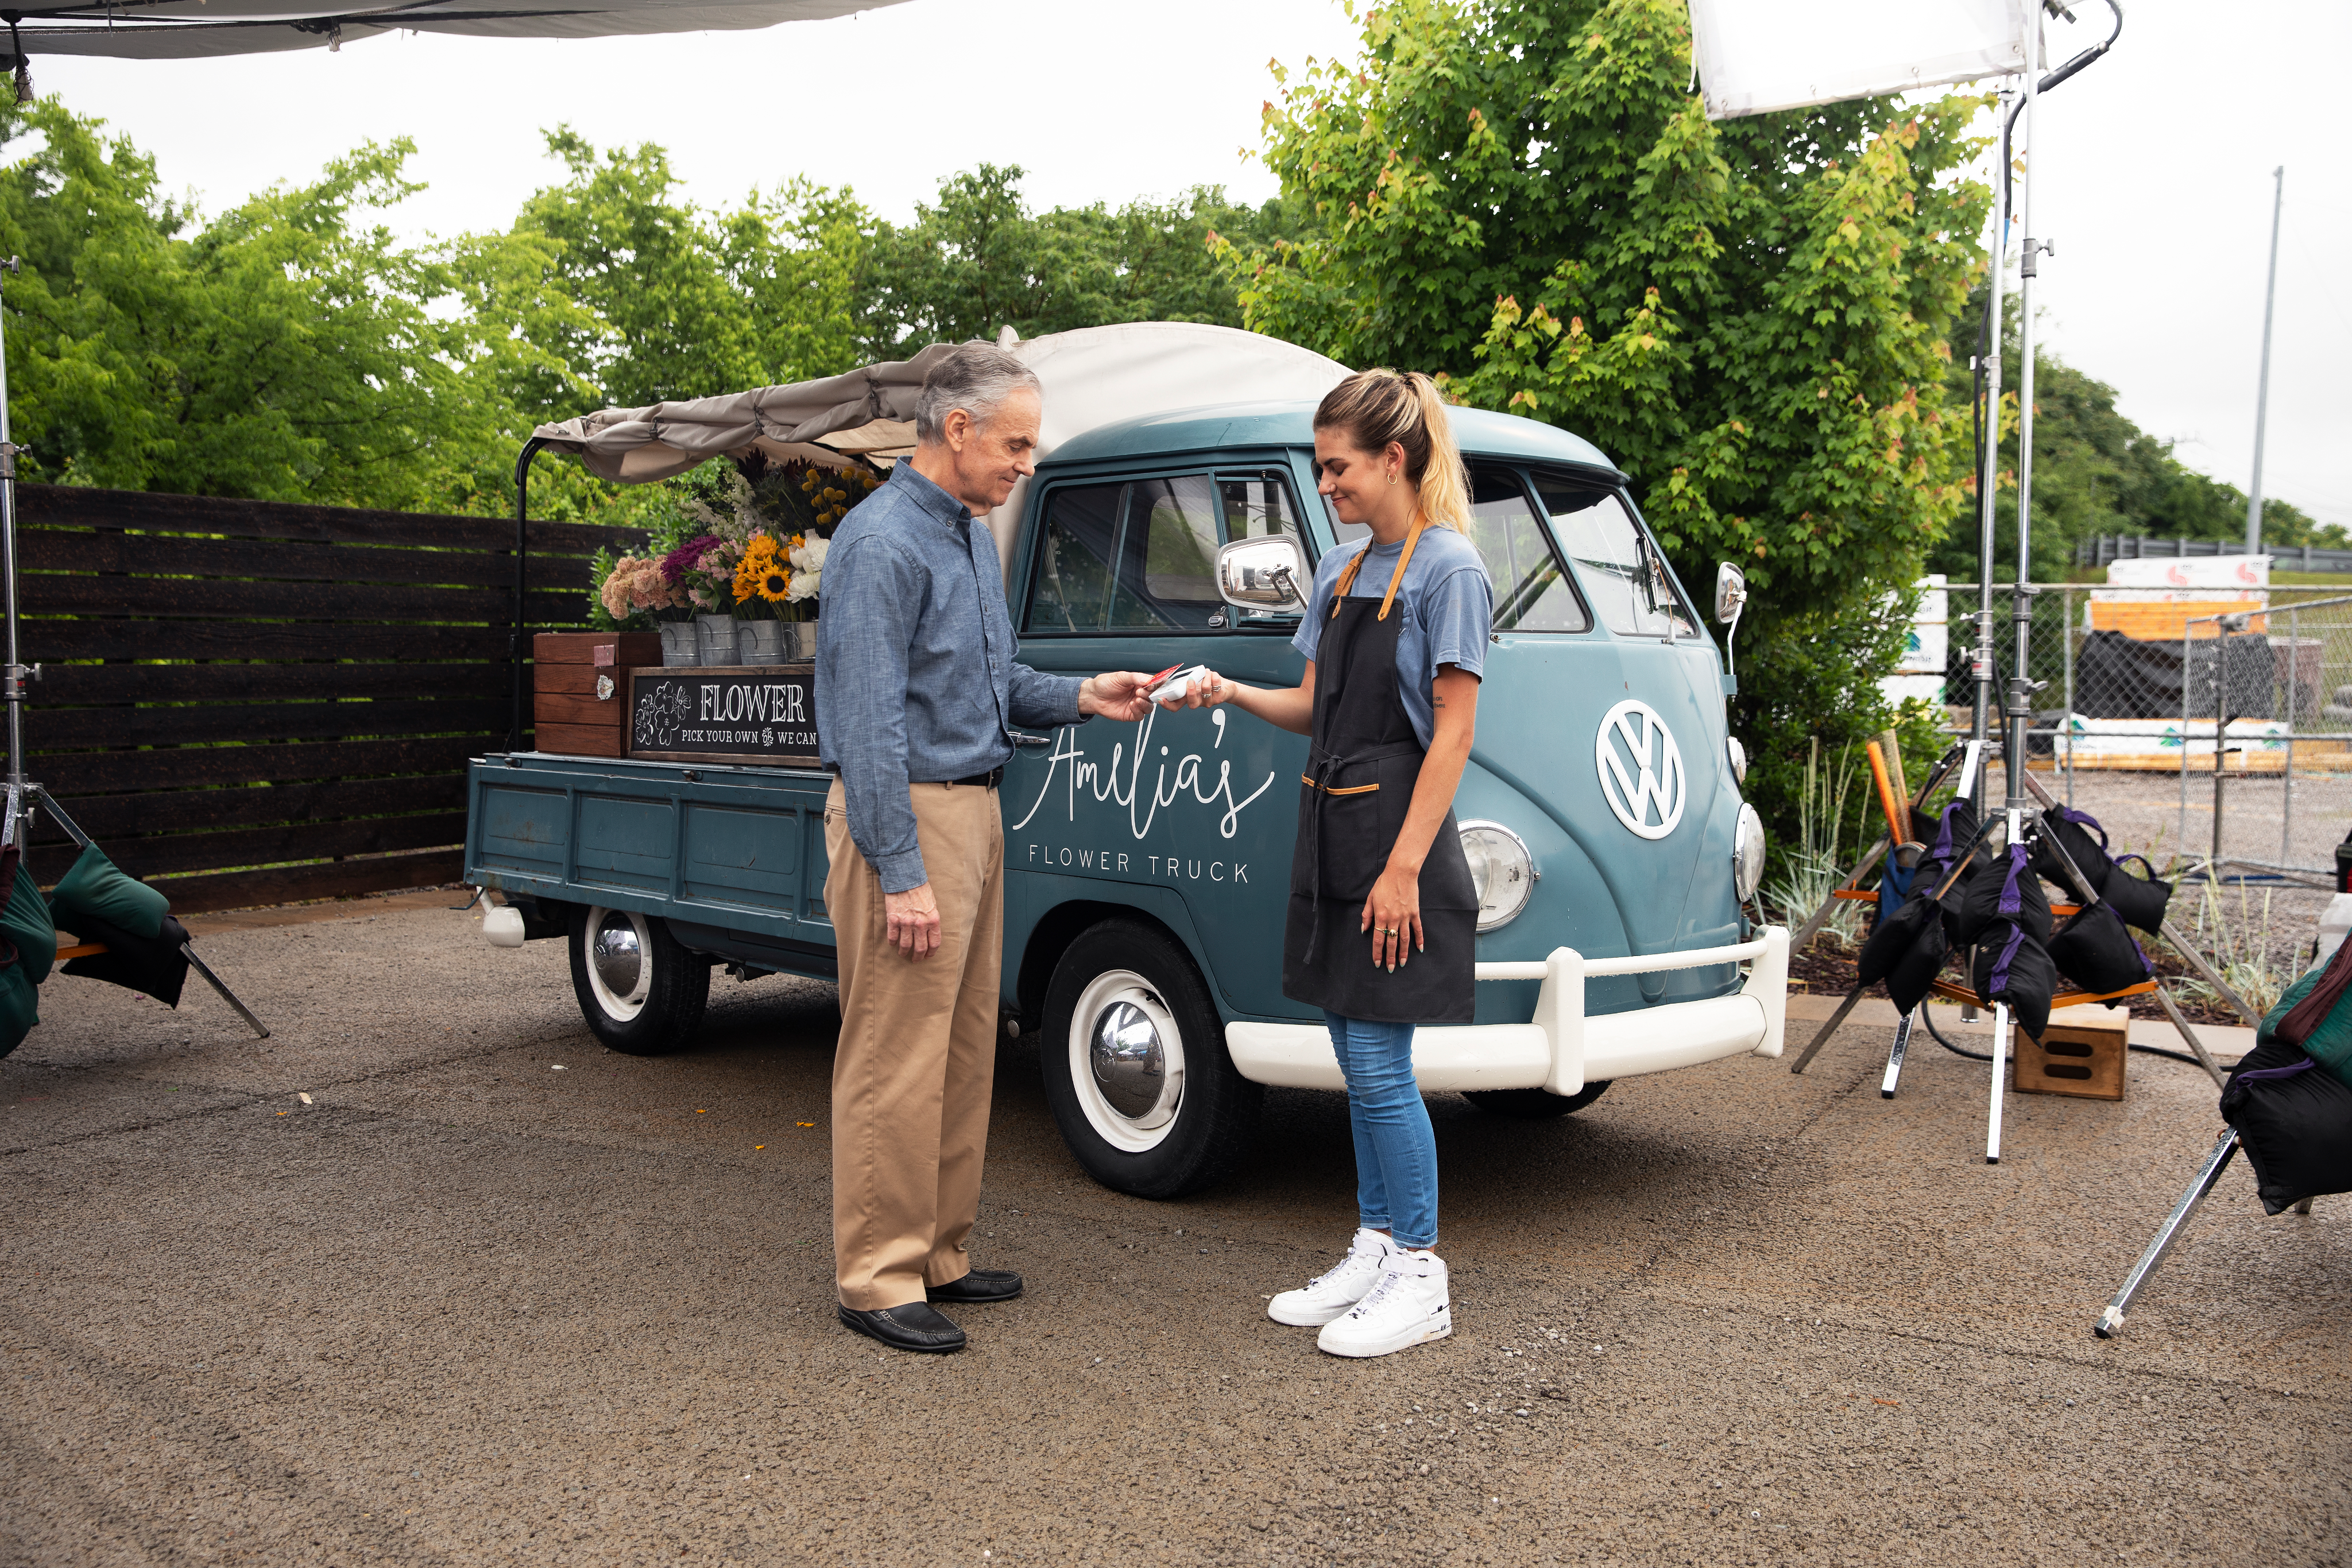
(255, 703)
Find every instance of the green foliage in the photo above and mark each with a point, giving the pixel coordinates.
(2096, 472)
(979, 261)
(1751, 318)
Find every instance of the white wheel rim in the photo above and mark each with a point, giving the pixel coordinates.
(621, 996)
(1154, 1095)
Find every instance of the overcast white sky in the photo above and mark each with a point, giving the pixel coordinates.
(2155, 180)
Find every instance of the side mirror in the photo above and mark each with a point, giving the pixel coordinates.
(1730, 593)
(1262, 574)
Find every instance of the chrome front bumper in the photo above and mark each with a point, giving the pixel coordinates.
(1562, 1049)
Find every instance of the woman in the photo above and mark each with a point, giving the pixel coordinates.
(1382, 917)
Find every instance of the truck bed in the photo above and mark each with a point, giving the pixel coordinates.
(732, 857)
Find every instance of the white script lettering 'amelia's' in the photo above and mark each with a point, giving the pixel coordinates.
(1177, 780)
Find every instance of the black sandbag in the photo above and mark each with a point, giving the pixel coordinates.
(2003, 888)
(2097, 953)
(1893, 937)
(2295, 1119)
(2140, 901)
(150, 964)
(1917, 968)
(2062, 825)
(1947, 834)
(2013, 966)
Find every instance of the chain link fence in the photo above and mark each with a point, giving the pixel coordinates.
(2208, 729)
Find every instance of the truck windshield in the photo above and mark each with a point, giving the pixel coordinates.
(1619, 565)
(1532, 593)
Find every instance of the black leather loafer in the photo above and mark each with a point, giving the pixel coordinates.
(980, 1285)
(915, 1326)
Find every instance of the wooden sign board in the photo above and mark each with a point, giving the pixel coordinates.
(754, 714)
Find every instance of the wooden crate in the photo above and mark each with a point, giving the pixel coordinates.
(2084, 1060)
(580, 688)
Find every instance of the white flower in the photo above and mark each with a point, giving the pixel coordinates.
(804, 585)
(809, 554)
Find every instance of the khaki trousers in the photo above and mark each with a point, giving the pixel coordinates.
(918, 1057)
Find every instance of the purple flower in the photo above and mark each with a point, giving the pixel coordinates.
(686, 557)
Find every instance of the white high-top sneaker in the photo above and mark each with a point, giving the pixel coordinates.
(1408, 1305)
(1325, 1296)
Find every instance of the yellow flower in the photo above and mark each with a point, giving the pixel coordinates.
(776, 585)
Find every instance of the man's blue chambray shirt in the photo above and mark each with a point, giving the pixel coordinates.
(915, 673)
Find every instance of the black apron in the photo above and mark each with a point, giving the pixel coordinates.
(1362, 762)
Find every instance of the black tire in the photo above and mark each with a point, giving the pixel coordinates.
(650, 1008)
(1533, 1105)
(1169, 1133)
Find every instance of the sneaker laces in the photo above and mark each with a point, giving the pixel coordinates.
(1341, 1267)
(1380, 1287)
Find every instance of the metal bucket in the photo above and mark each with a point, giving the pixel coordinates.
(678, 643)
(714, 639)
(763, 641)
(804, 638)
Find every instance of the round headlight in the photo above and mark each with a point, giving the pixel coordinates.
(1501, 869)
(1738, 755)
(1747, 853)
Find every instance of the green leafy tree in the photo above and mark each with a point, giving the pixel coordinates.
(1750, 318)
(978, 261)
(284, 350)
(2096, 472)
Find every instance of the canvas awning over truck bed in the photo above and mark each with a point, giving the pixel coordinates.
(1092, 377)
(202, 29)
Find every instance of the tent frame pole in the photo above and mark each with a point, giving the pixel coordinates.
(514, 639)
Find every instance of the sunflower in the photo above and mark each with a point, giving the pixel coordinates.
(775, 584)
(758, 560)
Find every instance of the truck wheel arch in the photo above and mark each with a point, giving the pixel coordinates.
(1063, 925)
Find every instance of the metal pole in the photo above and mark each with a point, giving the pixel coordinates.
(2287, 782)
(12, 674)
(2263, 385)
(2019, 707)
(2067, 600)
(515, 646)
(1980, 654)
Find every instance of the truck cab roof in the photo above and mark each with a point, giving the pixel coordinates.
(1290, 422)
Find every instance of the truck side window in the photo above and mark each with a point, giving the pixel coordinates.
(1072, 589)
(1615, 561)
(1256, 507)
(1532, 593)
(1168, 556)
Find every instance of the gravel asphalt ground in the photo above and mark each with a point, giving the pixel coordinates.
(495, 1295)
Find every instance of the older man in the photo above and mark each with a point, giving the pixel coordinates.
(918, 686)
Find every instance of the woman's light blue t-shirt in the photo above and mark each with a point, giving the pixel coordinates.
(1446, 601)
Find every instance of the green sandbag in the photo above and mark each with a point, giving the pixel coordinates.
(2330, 1044)
(26, 923)
(96, 887)
(19, 1006)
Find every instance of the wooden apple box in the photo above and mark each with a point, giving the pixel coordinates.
(580, 688)
(2084, 1059)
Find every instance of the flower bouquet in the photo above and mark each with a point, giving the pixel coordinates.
(740, 558)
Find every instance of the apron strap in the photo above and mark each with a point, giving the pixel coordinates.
(1347, 573)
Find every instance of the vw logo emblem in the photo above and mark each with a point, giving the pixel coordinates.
(1641, 769)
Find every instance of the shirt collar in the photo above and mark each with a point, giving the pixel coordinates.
(927, 495)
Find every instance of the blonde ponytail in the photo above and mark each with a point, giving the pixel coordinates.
(1380, 406)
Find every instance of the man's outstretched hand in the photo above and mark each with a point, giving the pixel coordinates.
(1118, 694)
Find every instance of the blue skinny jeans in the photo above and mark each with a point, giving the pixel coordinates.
(1396, 1151)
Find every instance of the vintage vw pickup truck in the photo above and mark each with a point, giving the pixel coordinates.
(1148, 863)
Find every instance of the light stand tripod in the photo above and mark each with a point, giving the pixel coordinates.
(23, 795)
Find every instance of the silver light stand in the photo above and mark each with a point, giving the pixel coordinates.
(23, 795)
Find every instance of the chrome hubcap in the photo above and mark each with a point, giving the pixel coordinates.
(1126, 1061)
(617, 955)
(620, 967)
(1130, 1065)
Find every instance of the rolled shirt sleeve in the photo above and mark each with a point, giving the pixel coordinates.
(871, 592)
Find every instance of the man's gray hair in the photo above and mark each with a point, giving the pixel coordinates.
(976, 377)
